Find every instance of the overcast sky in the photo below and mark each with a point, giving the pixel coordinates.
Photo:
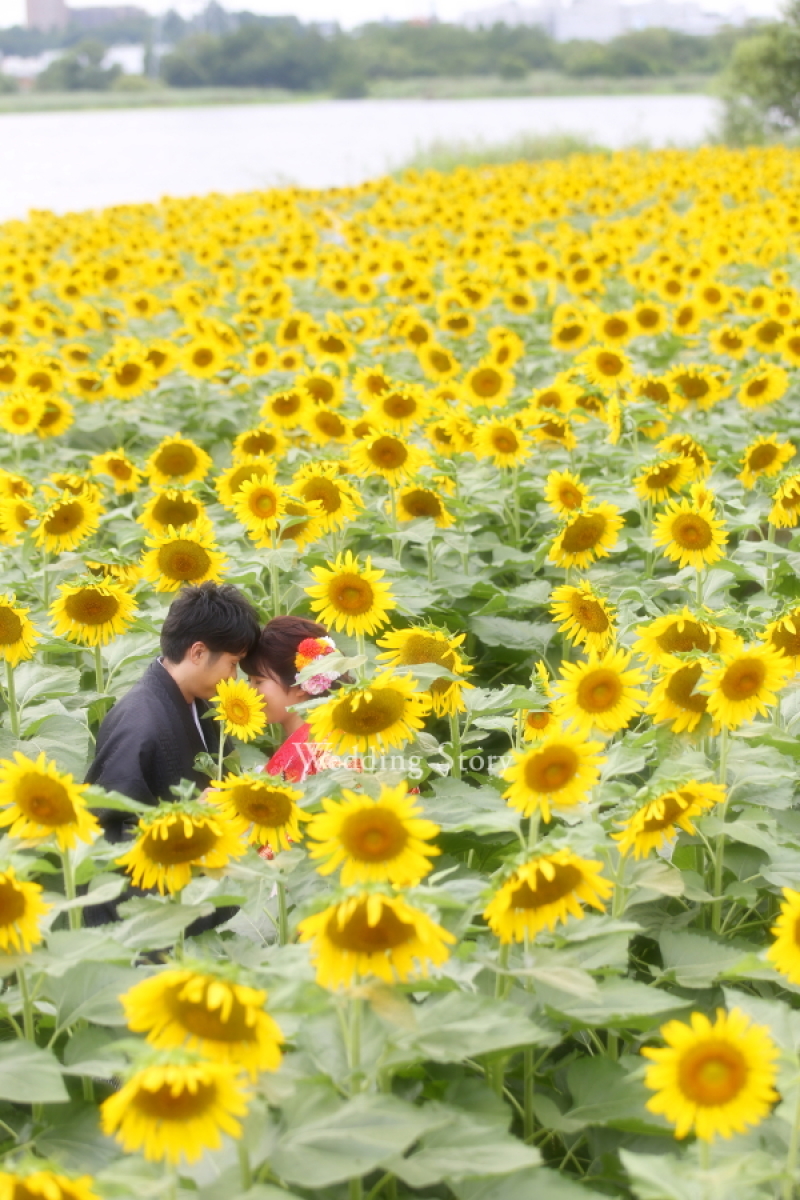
(351, 12)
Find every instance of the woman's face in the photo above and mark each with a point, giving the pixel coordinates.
(275, 697)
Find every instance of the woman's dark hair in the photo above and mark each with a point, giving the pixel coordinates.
(217, 615)
(274, 654)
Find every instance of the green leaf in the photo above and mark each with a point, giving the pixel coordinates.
(619, 1003)
(534, 1183)
(156, 924)
(456, 807)
(458, 1025)
(91, 993)
(603, 1093)
(697, 960)
(511, 634)
(465, 1146)
(30, 1075)
(335, 1142)
(72, 1138)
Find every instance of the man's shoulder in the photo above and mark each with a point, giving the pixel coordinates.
(145, 702)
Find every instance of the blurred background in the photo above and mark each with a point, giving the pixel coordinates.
(110, 104)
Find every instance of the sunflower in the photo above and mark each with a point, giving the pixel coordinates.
(18, 635)
(349, 596)
(176, 839)
(764, 457)
(399, 408)
(304, 524)
(615, 328)
(601, 693)
(177, 460)
(128, 374)
(784, 953)
(67, 522)
(488, 384)
(33, 1184)
(56, 419)
(690, 534)
(692, 451)
(413, 503)
(570, 329)
(230, 481)
(605, 366)
(125, 574)
(385, 714)
(21, 909)
(38, 800)
(326, 426)
(785, 511)
(369, 382)
(762, 385)
(544, 891)
(656, 823)
(92, 614)
(560, 396)
(502, 442)
(21, 411)
(565, 493)
(374, 935)
(590, 534)
(115, 463)
(712, 1079)
(289, 408)
(260, 807)
(411, 647)
(174, 1108)
(746, 683)
(260, 441)
(730, 340)
(558, 773)
(180, 556)
(658, 479)
(649, 318)
(89, 386)
(438, 362)
(383, 840)
(553, 428)
(322, 482)
(682, 633)
(586, 618)
(782, 635)
(15, 517)
(172, 507)
(260, 504)
(14, 487)
(674, 698)
(200, 1008)
(387, 455)
(240, 709)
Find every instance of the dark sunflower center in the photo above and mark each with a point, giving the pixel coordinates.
(175, 512)
(583, 533)
(201, 1021)
(388, 453)
(590, 615)
(762, 457)
(359, 937)
(551, 769)
(176, 460)
(712, 1073)
(179, 846)
(10, 627)
(167, 1105)
(691, 532)
(323, 490)
(12, 903)
(566, 878)
(374, 835)
(91, 607)
(677, 639)
(65, 519)
(351, 594)
(599, 691)
(262, 808)
(743, 679)
(183, 560)
(384, 708)
(680, 689)
(44, 800)
(421, 503)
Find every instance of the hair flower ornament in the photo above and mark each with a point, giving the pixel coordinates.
(309, 651)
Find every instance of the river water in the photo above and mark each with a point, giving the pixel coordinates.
(68, 161)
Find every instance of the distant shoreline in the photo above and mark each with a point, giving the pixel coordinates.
(538, 85)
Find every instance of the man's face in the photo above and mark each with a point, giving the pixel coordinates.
(209, 669)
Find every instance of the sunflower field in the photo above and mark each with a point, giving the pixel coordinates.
(523, 438)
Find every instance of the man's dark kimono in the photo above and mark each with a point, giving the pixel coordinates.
(145, 745)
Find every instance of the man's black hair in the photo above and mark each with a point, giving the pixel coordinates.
(217, 615)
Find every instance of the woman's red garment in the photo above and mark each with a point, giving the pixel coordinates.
(297, 758)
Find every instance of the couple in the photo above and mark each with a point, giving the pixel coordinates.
(150, 739)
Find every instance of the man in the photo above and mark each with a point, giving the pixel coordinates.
(151, 737)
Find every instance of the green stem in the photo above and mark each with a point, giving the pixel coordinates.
(790, 1170)
(719, 853)
(355, 1189)
(11, 694)
(100, 683)
(28, 1025)
(533, 830)
(283, 915)
(395, 540)
(618, 897)
(221, 753)
(274, 582)
(455, 741)
(528, 1086)
(698, 588)
(648, 530)
(70, 890)
(245, 1173)
(45, 581)
(355, 1044)
(771, 543)
(515, 506)
(430, 561)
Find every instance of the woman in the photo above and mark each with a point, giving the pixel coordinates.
(286, 645)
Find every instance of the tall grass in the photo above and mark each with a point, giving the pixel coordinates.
(445, 155)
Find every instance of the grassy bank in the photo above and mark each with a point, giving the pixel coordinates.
(539, 83)
(446, 155)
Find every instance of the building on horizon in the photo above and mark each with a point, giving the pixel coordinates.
(46, 14)
(54, 14)
(603, 20)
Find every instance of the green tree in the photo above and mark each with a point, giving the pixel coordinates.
(80, 70)
(761, 87)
